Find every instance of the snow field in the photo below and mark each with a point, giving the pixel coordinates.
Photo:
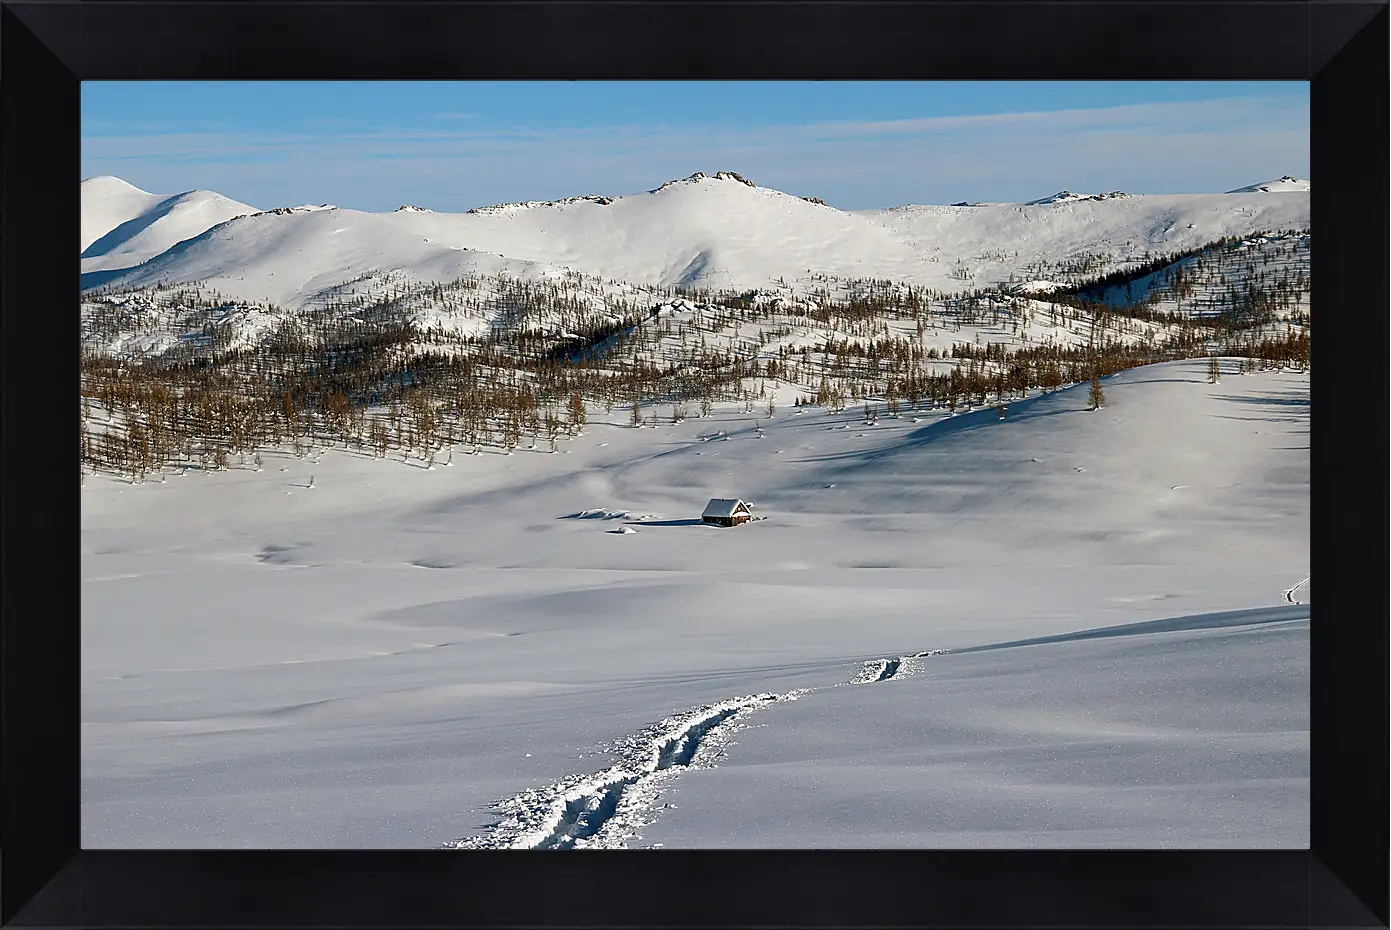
(376, 663)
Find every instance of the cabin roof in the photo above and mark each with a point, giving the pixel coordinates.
(724, 507)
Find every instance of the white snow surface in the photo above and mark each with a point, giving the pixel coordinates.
(993, 241)
(1035, 287)
(703, 231)
(107, 202)
(123, 225)
(292, 258)
(1285, 184)
(416, 658)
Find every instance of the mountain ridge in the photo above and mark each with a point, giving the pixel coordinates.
(701, 231)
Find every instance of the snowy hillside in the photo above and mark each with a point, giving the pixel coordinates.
(1248, 277)
(712, 232)
(1285, 184)
(715, 232)
(123, 226)
(107, 202)
(293, 256)
(385, 655)
(1080, 235)
(483, 294)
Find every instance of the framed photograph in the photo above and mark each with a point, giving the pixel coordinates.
(800, 464)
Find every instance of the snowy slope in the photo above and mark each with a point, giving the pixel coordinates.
(291, 256)
(1285, 184)
(701, 231)
(711, 231)
(372, 662)
(1086, 743)
(123, 226)
(1216, 273)
(993, 242)
(107, 202)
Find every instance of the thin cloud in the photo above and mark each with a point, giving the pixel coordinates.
(1174, 116)
(852, 164)
(1133, 115)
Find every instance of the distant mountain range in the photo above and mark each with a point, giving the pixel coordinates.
(713, 231)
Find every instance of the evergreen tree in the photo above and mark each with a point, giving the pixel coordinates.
(380, 437)
(552, 428)
(1096, 397)
(578, 416)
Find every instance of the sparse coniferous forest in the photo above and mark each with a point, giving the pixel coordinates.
(183, 378)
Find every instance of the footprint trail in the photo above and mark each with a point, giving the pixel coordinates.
(601, 811)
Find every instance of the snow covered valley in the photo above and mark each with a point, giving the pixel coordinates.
(346, 651)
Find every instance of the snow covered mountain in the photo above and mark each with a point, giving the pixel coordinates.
(707, 231)
(719, 231)
(107, 202)
(1286, 184)
(292, 256)
(1066, 196)
(123, 225)
(986, 243)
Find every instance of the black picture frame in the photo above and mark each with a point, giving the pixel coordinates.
(47, 48)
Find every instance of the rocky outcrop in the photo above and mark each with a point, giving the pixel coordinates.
(307, 208)
(701, 176)
(733, 176)
(532, 204)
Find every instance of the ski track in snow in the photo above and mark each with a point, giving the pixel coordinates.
(1289, 593)
(602, 811)
(878, 670)
(605, 810)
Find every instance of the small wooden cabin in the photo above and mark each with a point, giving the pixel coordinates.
(726, 512)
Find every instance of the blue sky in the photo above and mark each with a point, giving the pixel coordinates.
(858, 145)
